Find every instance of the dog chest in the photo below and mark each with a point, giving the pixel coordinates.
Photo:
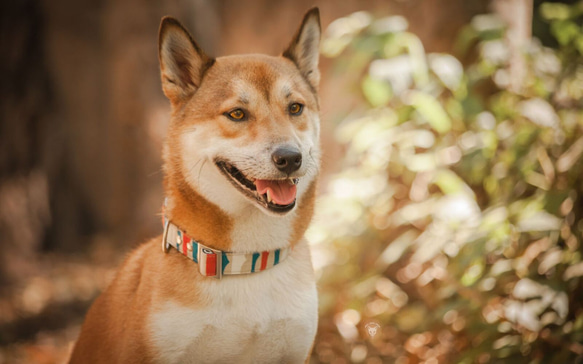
(267, 317)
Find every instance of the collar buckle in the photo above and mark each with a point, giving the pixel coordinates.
(165, 244)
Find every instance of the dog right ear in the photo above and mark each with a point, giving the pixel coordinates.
(182, 62)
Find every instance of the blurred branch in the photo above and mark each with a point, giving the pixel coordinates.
(517, 14)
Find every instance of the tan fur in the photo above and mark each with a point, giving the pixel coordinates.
(118, 325)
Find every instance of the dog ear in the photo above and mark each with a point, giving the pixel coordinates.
(304, 48)
(182, 62)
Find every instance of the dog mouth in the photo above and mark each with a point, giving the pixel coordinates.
(278, 195)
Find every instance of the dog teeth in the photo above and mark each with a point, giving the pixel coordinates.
(269, 199)
(293, 181)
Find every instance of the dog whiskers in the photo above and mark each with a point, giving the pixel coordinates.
(200, 170)
(194, 165)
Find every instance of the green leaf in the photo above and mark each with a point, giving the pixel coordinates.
(553, 11)
(449, 182)
(473, 273)
(431, 110)
(565, 31)
(579, 44)
(376, 92)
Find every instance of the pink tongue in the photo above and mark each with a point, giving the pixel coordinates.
(282, 193)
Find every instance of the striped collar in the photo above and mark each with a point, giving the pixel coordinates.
(217, 263)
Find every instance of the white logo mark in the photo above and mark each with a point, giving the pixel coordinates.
(372, 328)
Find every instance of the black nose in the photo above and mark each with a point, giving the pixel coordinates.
(287, 159)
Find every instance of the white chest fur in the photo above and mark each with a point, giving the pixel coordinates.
(267, 317)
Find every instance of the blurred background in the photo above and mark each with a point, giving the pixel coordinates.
(450, 209)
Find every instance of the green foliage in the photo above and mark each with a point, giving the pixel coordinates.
(565, 22)
(461, 209)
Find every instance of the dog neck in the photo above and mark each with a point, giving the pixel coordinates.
(249, 230)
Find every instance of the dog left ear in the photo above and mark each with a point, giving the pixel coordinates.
(304, 49)
(182, 62)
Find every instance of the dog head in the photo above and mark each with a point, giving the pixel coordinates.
(244, 129)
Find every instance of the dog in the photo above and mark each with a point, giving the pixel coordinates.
(233, 281)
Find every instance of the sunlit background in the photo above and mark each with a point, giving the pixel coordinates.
(450, 210)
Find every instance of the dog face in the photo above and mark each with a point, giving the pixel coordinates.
(244, 129)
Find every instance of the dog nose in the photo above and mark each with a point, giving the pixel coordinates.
(287, 159)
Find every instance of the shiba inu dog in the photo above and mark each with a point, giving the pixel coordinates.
(233, 282)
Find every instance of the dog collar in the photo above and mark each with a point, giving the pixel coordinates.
(217, 263)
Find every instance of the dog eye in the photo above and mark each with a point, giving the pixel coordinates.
(236, 115)
(296, 109)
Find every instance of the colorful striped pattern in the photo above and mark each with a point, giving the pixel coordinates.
(209, 260)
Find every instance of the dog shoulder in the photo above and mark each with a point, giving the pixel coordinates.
(102, 324)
